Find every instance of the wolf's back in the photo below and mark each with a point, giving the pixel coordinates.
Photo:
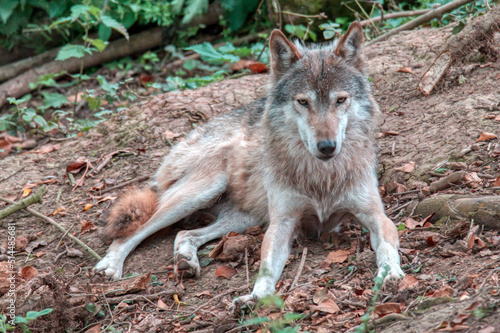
(132, 210)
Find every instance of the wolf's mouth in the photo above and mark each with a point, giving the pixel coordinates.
(324, 158)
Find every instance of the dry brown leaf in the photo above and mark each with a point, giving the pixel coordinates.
(94, 329)
(47, 148)
(76, 166)
(26, 192)
(412, 224)
(87, 226)
(408, 282)
(35, 244)
(496, 183)
(71, 252)
(393, 133)
(122, 287)
(106, 198)
(162, 305)
(87, 207)
(484, 136)
(225, 271)
(257, 67)
(59, 210)
(446, 291)
(171, 136)
(338, 256)
(29, 272)
(405, 70)
(320, 295)
(497, 118)
(327, 305)
(387, 308)
(487, 329)
(432, 241)
(407, 168)
(21, 243)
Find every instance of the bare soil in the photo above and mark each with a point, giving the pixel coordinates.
(452, 279)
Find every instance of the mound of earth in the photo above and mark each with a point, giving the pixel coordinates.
(451, 266)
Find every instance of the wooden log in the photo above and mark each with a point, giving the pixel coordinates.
(140, 42)
(431, 78)
(485, 210)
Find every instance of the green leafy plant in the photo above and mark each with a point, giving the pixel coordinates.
(24, 119)
(377, 288)
(284, 324)
(23, 321)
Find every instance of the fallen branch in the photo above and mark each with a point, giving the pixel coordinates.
(436, 13)
(409, 13)
(140, 42)
(55, 224)
(135, 298)
(448, 181)
(34, 198)
(485, 210)
(10, 70)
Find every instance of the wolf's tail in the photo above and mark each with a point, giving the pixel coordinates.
(131, 210)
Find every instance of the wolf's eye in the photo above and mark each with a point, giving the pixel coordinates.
(303, 102)
(340, 100)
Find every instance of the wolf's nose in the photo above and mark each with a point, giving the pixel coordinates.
(326, 147)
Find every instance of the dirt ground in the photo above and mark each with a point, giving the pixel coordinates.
(451, 266)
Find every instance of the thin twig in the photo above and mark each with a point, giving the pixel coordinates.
(81, 179)
(320, 15)
(55, 224)
(364, 23)
(12, 174)
(436, 13)
(135, 180)
(301, 267)
(217, 297)
(246, 267)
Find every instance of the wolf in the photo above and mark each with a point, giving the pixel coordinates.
(303, 155)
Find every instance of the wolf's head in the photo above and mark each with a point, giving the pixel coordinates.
(319, 92)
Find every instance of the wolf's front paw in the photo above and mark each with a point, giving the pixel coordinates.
(243, 303)
(391, 270)
(186, 266)
(111, 265)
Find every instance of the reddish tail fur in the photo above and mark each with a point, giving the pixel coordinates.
(130, 212)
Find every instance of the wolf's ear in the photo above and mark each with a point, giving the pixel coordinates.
(350, 46)
(283, 53)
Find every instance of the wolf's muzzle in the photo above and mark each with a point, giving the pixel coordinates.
(327, 148)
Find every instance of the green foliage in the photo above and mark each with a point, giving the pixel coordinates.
(377, 288)
(237, 11)
(285, 324)
(23, 321)
(24, 119)
(211, 55)
(301, 31)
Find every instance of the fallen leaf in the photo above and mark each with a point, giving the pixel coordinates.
(21, 243)
(29, 272)
(145, 78)
(408, 282)
(26, 192)
(39, 254)
(87, 226)
(486, 136)
(76, 166)
(338, 256)
(327, 305)
(47, 148)
(405, 70)
(431, 241)
(162, 305)
(446, 291)
(393, 133)
(87, 207)
(487, 329)
(257, 67)
(225, 271)
(71, 252)
(387, 308)
(497, 118)
(122, 287)
(171, 136)
(6, 142)
(205, 293)
(59, 210)
(320, 295)
(33, 245)
(106, 198)
(496, 183)
(94, 329)
(412, 224)
(407, 168)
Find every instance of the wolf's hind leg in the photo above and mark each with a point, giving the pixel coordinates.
(187, 195)
(186, 245)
